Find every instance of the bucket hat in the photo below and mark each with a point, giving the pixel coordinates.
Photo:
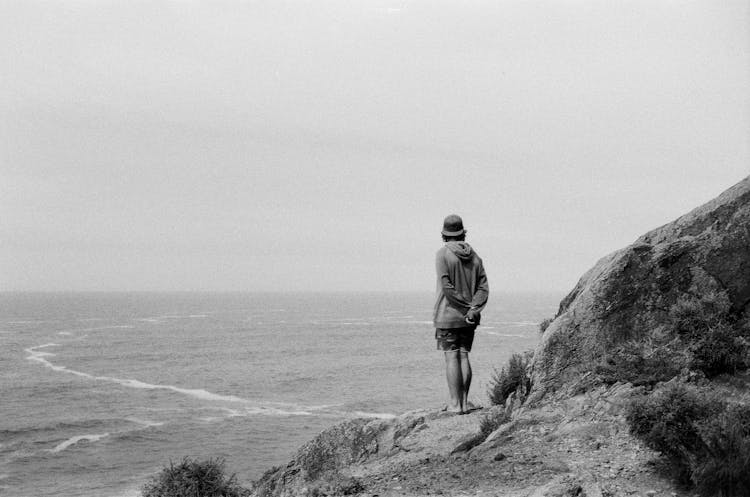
(453, 225)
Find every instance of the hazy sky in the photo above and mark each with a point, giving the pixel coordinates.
(317, 145)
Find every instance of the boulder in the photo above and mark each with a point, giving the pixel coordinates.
(629, 292)
(323, 465)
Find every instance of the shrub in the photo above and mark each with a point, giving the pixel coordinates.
(492, 421)
(720, 349)
(690, 314)
(192, 478)
(726, 469)
(545, 324)
(511, 378)
(717, 343)
(666, 420)
(700, 335)
(706, 439)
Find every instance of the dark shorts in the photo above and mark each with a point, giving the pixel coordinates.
(455, 338)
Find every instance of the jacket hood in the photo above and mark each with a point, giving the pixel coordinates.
(462, 250)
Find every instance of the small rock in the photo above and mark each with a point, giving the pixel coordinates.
(651, 493)
(500, 457)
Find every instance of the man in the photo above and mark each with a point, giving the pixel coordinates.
(462, 292)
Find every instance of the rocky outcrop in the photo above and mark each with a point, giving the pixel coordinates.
(629, 292)
(577, 446)
(332, 462)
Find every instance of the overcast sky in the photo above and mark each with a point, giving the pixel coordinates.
(317, 145)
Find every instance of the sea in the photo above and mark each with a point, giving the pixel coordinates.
(100, 391)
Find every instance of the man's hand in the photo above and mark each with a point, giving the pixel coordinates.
(473, 316)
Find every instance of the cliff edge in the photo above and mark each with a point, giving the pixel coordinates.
(577, 446)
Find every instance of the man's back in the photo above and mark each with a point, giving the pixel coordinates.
(461, 284)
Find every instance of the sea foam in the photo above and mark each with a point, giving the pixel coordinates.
(144, 422)
(74, 440)
(40, 356)
(252, 408)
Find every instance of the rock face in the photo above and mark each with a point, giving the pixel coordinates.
(630, 291)
(337, 447)
(332, 462)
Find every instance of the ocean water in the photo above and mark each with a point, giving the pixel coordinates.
(99, 391)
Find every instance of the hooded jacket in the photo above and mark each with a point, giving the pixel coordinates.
(461, 284)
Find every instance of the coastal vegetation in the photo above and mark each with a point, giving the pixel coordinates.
(545, 324)
(192, 477)
(492, 421)
(705, 438)
(513, 377)
(701, 336)
(701, 430)
(693, 406)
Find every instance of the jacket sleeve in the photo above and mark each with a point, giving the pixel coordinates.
(482, 292)
(453, 297)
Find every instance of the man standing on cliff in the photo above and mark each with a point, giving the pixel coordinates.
(462, 292)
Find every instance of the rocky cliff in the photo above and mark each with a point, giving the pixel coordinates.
(629, 292)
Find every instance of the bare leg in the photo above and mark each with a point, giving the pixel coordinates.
(465, 380)
(455, 380)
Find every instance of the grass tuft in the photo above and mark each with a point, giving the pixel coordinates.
(514, 377)
(545, 324)
(492, 421)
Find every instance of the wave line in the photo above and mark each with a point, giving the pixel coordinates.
(250, 408)
(74, 440)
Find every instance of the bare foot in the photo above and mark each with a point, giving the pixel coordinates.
(451, 409)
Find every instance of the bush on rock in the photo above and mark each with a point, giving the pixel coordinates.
(705, 438)
(514, 377)
(192, 478)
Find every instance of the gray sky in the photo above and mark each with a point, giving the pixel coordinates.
(273, 145)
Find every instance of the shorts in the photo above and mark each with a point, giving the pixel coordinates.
(455, 338)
